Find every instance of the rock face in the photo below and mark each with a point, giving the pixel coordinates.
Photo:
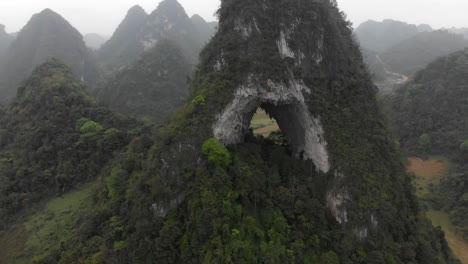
(154, 86)
(296, 60)
(47, 35)
(140, 32)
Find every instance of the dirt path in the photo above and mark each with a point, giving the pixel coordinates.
(430, 172)
(457, 244)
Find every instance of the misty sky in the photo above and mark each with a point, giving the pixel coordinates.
(103, 16)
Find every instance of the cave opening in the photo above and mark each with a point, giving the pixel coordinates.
(285, 124)
(290, 121)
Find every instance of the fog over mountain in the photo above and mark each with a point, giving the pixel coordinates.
(103, 16)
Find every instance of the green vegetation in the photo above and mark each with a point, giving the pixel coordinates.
(216, 153)
(53, 137)
(433, 103)
(154, 86)
(177, 195)
(458, 245)
(418, 51)
(424, 142)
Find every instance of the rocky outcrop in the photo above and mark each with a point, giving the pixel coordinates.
(333, 179)
(307, 73)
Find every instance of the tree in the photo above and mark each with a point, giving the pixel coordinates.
(424, 142)
(464, 146)
(216, 153)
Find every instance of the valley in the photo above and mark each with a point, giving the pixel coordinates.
(428, 174)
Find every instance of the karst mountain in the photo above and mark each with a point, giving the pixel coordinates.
(47, 35)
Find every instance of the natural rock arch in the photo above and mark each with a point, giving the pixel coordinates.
(286, 104)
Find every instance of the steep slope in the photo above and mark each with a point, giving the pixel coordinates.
(205, 29)
(154, 86)
(433, 103)
(94, 41)
(376, 67)
(429, 114)
(169, 21)
(46, 35)
(124, 46)
(209, 192)
(415, 53)
(379, 36)
(5, 40)
(52, 137)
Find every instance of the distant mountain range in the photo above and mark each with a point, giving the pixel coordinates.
(391, 48)
(416, 52)
(379, 36)
(139, 32)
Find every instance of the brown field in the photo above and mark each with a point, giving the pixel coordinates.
(427, 169)
(427, 172)
(267, 130)
(262, 124)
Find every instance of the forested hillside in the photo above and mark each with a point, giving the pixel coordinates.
(417, 52)
(433, 103)
(207, 191)
(162, 166)
(54, 136)
(154, 86)
(429, 114)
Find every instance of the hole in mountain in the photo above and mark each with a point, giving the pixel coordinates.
(294, 127)
(262, 124)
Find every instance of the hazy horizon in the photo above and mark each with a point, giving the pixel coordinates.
(83, 14)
